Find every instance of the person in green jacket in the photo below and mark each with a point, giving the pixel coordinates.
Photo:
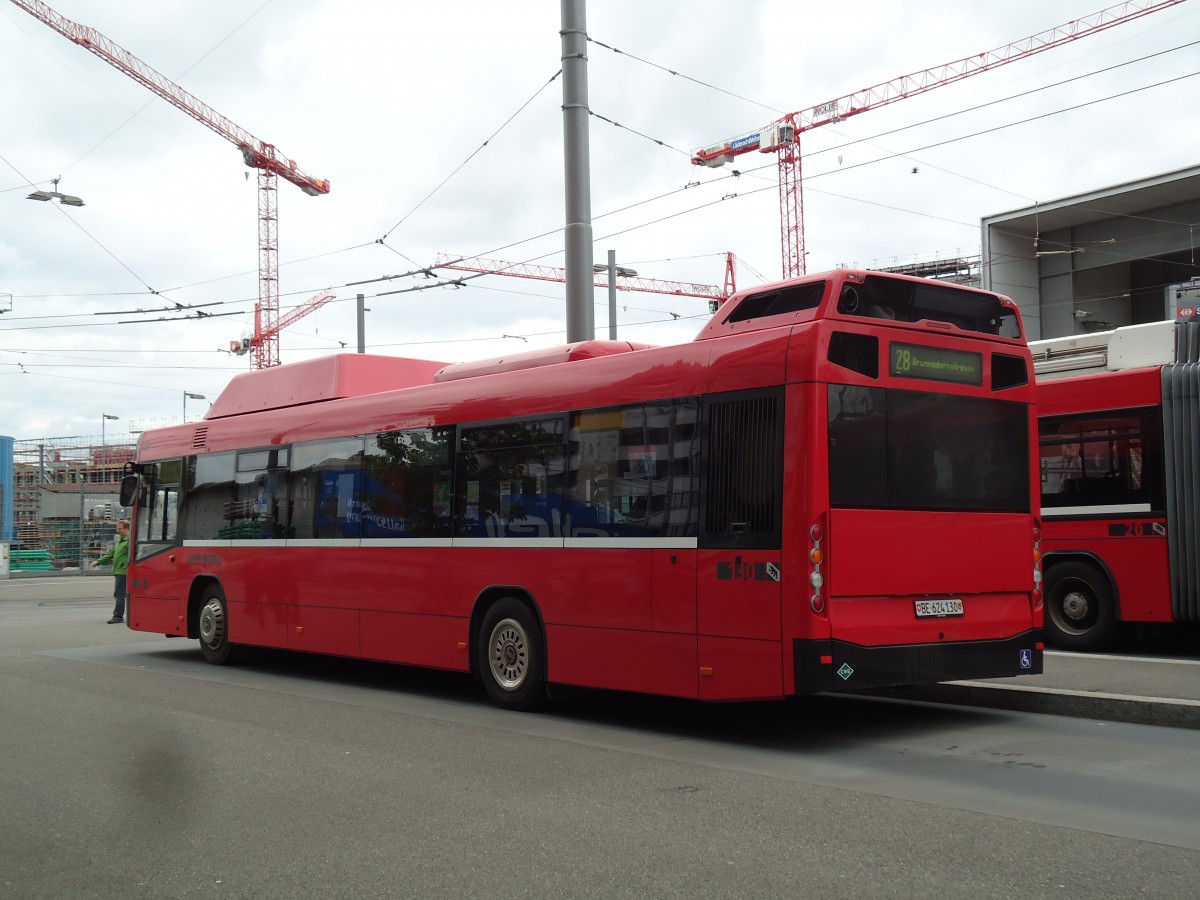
(119, 557)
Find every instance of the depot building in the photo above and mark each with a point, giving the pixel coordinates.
(1120, 255)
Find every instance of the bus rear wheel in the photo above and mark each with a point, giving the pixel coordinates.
(213, 626)
(1080, 611)
(510, 656)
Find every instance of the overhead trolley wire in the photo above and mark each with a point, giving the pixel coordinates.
(655, 65)
(418, 270)
(468, 159)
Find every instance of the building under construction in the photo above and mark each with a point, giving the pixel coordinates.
(65, 500)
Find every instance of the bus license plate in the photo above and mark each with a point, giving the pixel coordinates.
(937, 609)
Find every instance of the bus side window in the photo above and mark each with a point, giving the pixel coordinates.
(212, 487)
(509, 479)
(592, 509)
(515, 492)
(634, 470)
(323, 493)
(259, 508)
(406, 483)
(1099, 459)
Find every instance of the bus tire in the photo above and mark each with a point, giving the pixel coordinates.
(213, 626)
(1081, 613)
(511, 659)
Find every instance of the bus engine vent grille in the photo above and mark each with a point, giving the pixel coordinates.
(200, 438)
(743, 494)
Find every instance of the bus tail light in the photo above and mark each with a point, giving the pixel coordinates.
(1037, 567)
(816, 555)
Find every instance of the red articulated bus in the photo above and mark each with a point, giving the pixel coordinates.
(1120, 480)
(830, 488)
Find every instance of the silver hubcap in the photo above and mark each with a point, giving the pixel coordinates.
(212, 623)
(1075, 606)
(509, 654)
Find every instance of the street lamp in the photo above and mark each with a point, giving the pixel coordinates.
(65, 199)
(613, 271)
(104, 418)
(188, 395)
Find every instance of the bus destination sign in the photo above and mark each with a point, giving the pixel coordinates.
(936, 364)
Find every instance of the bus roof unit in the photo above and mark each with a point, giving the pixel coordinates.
(1129, 347)
(533, 359)
(313, 380)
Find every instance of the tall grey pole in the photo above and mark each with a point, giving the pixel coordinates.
(581, 324)
(612, 295)
(82, 551)
(362, 326)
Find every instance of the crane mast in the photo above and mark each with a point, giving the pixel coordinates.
(782, 136)
(257, 154)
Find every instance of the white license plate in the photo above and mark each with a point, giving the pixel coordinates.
(936, 609)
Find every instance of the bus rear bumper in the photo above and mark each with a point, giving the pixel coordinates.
(830, 665)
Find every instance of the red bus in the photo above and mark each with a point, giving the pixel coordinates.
(830, 488)
(1120, 481)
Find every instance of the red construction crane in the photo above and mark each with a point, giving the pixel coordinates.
(782, 136)
(257, 154)
(713, 293)
(265, 335)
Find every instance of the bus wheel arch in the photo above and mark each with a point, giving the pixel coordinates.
(208, 620)
(1081, 610)
(508, 647)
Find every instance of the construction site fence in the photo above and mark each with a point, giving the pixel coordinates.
(65, 501)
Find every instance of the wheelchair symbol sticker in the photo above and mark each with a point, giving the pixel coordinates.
(1026, 659)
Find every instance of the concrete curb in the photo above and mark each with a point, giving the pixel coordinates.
(1164, 711)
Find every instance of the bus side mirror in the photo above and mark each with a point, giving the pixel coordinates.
(129, 486)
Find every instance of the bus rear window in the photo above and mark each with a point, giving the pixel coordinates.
(893, 449)
(912, 301)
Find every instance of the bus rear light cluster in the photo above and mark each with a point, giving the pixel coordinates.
(815, 557)
(1037, 567)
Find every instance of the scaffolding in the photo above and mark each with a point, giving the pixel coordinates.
(956, 269)
(66, 500)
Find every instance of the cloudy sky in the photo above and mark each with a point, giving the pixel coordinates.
(439, 126)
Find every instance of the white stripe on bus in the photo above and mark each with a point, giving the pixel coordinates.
(574, 543)
(1109, 509)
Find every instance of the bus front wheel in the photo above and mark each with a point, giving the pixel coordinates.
(213, 626)
(511, 658)
(1080, 611)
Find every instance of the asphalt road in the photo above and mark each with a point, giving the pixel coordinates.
(132, 769)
